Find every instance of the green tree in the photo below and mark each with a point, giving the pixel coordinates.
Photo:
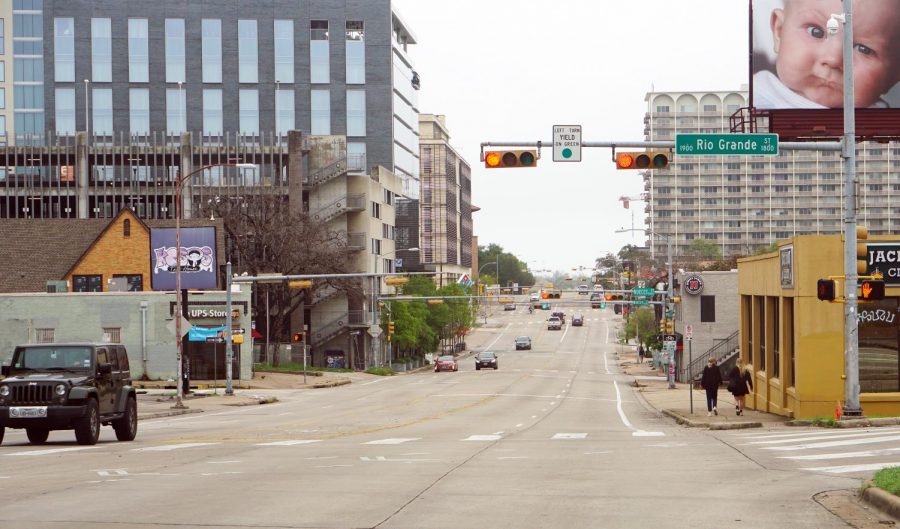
(705, 250)
(511, 269)
(643, 320)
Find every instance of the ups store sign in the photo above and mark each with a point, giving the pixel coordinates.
(884, 260)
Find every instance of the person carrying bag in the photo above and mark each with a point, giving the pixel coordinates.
(740, 384)
(710, 381)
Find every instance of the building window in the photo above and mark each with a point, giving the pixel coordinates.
(376, 246)
(112, 335)
(249, 112)
(319, 63)
(102, 110)
(135, 282)
(284, 101)
(2, 37)
(707, 309)
(356, 156)
(87, 283)
(356, 112)
(64, 49)
(356, 52)
(126, 230)
(761, 303)
(211, 37)
(175, 50)
(376, 210)
(284, 51)
(320, 101)
(776, 335)
(248, 54)
(65, 111)
(174, 112)
(139, 111)
(388, 198)
(44, 335)
(101, 50)
(138, 50)
(212, 112)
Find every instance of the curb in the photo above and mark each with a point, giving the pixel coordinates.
(680, 419)
(172, 413)
(320, 385)
(880, 499)
(849, 423)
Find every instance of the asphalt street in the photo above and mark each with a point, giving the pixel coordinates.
(555, 438)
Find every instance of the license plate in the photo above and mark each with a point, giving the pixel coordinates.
(22, 412)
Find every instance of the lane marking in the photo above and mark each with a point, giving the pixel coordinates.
(570, 436)
(332, 466)
(482, 438)
(839, 435)
(394, 441)
(636, 432)
(842, 455)
(169, 448)
(51, 451)
(290, 442)
(519, 425)
(512, 457)
(222, 462)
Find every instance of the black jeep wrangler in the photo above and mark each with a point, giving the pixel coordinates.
(68, 386)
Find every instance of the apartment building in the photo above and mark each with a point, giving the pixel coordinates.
(742, 203)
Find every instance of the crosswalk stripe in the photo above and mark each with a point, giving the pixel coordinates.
(820, 437)
(843, 469)
(569, 436)
(482, 438)
(842, 455)
(290, 442)
(50, 451)
(396, 441)
(832, 444)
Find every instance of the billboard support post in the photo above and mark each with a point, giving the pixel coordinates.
(848, 153)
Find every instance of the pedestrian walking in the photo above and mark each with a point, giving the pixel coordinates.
(640, 353)
(739, 384)
(711, 380)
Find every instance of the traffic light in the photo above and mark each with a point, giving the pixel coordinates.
(871, 290)
(642, 160)
(676, 299)
(394, 281)
(862, 250)
(298, 284)
(609, 297)
(298, 337)
(506, 159)
(667, 327)
(435, 301)
(390, 328)
(825, 289)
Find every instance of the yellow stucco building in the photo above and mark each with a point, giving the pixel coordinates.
(794, 344)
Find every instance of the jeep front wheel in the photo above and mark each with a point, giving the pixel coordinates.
(87, 428)
(37, 436)
(126, 427)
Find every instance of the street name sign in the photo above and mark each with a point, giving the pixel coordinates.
(566, 143)
(643, 291)
(726, 144)
(641, 302)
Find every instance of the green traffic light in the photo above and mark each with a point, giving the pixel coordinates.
(660, 160)
(526, 159)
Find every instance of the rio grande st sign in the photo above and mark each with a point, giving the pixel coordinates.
(726, 144)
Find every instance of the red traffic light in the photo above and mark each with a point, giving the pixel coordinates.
(642, 160)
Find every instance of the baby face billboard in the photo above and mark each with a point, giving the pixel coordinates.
(797, 62)
(198, 258)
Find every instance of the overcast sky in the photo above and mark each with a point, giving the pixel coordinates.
(508, 70)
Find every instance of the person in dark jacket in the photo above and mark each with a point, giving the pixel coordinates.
(711, 380)
(740, 383)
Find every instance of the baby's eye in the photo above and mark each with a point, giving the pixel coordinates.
(865, 50)
(816, 32)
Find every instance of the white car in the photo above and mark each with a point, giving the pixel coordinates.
(535, 297)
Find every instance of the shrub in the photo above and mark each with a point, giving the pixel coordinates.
(888, 479)
(380, 371)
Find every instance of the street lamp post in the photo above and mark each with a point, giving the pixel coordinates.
(376, 287)
(178, 310)
(848, 153)
(497, 271)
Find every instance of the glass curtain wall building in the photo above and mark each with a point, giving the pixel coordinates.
(216, 69)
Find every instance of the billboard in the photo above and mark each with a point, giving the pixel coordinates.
(198, 258)
(796, 66)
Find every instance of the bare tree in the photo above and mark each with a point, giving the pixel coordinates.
(264, 236)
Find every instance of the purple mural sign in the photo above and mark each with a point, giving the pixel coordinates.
(198, 258)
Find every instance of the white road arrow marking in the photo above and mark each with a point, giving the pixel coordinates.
(570, 436)
(169, 448)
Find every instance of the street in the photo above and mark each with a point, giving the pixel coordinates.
(556, 437)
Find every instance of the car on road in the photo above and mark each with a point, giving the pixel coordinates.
(535, 296)
(446, 363)
(559, 314)
(68, 386)
(485, 359)
(596, 300)
(582, 289)
(577, 320)
(509, 306)
(554, 324)
(523, 342)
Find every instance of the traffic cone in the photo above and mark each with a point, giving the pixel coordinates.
(838, 411)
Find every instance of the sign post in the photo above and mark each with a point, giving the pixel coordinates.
(689, 335)
(566, 143)
(669, 346)
(726, 144)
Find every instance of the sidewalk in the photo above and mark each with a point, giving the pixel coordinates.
(676, 403)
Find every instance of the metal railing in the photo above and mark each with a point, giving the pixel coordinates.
(719, 351)
(351, 202)
(328, 172)
(323, 333)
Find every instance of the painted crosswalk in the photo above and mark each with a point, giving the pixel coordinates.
(827, 451)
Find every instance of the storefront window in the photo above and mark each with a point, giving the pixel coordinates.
(878, 346)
